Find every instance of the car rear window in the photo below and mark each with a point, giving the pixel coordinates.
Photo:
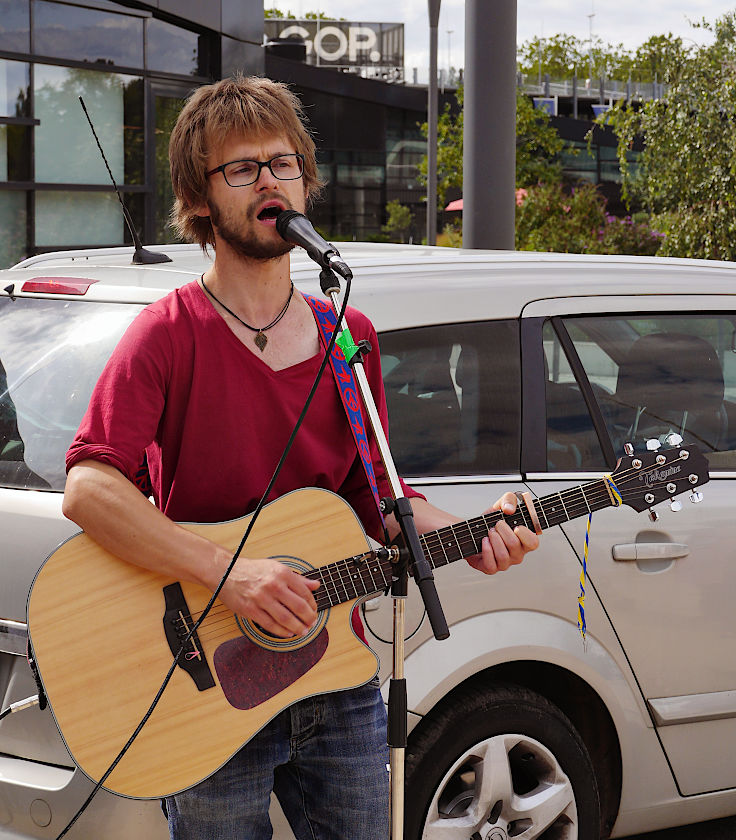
(51, 354)
(653, 375)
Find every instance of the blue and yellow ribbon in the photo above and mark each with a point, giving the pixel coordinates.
(616, 499)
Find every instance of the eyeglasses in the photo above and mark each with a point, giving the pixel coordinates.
(241, 173)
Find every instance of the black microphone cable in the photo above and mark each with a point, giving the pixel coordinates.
(259, 507)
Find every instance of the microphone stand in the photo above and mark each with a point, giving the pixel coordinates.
(411, 560)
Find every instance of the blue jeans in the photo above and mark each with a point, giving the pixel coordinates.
(325, 759)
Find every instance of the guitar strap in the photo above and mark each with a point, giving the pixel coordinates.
(344, 347)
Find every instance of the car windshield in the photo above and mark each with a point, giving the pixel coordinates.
(51, 354)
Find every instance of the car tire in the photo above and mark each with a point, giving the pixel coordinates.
(498, 761)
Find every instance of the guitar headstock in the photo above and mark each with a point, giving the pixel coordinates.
(648, 478)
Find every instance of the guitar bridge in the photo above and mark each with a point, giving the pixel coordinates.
(177, 624)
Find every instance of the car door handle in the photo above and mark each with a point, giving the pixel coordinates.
(649, 551)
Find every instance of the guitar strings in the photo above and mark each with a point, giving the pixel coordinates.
(575, 501)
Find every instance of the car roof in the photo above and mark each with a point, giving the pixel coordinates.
(400, 282)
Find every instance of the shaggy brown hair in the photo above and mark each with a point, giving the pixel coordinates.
(244, 105)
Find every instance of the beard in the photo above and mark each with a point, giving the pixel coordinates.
(241, 234)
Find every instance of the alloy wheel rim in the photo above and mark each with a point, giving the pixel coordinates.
(508, 786)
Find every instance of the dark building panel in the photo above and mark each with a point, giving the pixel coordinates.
(243, 19)
(241, 57)
(203, 13)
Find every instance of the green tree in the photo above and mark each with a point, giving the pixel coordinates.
(559, 56)
(273, 12)
(555, 56)
(661, 58)
(398, 224)
(686, 174)
(537, 147)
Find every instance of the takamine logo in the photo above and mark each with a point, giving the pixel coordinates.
(653, 477)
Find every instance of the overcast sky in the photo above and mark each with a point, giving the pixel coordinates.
(624, 21)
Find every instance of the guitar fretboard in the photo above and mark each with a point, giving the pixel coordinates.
(355, 577)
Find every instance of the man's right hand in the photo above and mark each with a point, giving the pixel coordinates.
(272, 595)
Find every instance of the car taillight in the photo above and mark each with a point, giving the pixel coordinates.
(58, 285)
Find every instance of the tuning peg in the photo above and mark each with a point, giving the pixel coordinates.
(675, 505)
(653, 444)
(628, 449)
(673, 439)
(653, 515)
(696, 497)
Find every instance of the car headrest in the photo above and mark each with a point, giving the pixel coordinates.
(670, 373)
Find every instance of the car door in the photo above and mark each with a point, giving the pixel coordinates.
(630, 370)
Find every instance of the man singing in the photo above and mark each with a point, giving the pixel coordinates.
(205, 387)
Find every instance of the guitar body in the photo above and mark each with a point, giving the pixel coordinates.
(97, 628)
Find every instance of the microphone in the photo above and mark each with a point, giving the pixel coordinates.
(296, 228)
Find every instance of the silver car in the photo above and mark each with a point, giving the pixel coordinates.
(503, 371)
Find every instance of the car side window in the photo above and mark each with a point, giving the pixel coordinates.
(453, 396)
(51, 354)
(572, 441)
(657, 375)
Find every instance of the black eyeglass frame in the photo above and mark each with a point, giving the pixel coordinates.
(260, 164)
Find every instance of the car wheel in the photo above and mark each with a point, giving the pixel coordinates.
(499, 762)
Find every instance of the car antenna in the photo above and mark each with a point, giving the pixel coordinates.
(140, 256)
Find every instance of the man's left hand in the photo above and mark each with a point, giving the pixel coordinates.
(504, 546)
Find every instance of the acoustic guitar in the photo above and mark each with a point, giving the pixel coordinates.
(104, 632)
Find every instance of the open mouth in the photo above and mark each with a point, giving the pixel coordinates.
(270, 213)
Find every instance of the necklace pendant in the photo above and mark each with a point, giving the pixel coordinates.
(260, 340)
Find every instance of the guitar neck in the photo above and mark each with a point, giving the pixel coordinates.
(358, 576)
(463, 539)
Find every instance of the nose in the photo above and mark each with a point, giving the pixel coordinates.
(266, 179)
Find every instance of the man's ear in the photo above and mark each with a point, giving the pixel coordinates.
(200, 209)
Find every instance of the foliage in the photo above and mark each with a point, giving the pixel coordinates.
(452, 235)
(559, 56)
(629, 236)
(686, 174)
(549, 218)
(449, 150)
(537, 147)
(398, 225)
(273, 12)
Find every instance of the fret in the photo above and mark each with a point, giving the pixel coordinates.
(585, 498)
(373, 580)
(553, 508)
(540, 507)
(342, 581)
(330, 570)
(480, 525)
(325, 584)
(426, 549)
(562, 501)
(355, 576)
(571, 494)
(521, 510)
(466, 525)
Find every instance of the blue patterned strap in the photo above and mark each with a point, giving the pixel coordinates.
(326, 320)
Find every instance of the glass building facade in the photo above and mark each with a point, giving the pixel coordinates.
(133, 69)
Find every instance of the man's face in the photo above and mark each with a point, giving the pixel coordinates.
(245, 217)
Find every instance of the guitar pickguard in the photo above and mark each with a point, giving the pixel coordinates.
(250, 674)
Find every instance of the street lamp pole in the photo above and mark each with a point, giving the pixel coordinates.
(434, 17)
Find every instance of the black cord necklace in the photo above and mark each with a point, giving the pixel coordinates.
(259, 338)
